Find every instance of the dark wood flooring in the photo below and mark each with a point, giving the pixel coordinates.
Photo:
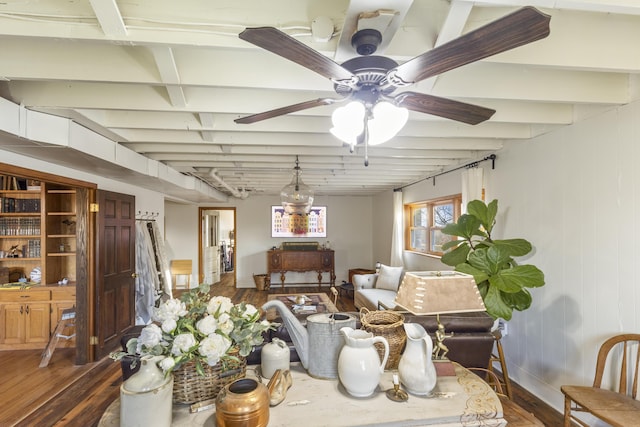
(64, 394)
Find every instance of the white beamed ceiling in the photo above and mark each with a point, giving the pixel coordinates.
(164, 79)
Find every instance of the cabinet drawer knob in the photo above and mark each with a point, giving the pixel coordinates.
(134, 275)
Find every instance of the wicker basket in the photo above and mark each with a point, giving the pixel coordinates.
(190, 387)
(387, 324)
(263, 281)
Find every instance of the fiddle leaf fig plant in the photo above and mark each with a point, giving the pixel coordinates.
(501, 280)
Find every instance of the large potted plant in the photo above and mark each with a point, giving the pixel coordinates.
(501, 280)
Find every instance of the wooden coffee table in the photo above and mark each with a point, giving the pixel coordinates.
(460, 400)
(317, 303)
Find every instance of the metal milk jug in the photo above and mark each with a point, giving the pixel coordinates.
(146, 397)
(275, 355)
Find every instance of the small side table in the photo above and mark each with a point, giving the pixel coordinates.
(345, 287)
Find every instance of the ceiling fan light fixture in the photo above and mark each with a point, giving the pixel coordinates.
(386, 121)
(348, 122)
(296, 197)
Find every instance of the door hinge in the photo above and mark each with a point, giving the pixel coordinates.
(93, 340)
(94, 207)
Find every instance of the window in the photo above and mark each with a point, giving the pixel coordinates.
(426, 220)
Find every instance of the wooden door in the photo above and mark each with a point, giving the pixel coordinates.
(115, 259)
(210, 228)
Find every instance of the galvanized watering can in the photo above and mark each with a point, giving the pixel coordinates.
(319, 344)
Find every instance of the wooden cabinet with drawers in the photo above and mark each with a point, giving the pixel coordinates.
(320, 261)
(28, 317)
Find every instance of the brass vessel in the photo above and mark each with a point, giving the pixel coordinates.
(243, 403)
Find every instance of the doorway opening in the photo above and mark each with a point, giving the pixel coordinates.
(216, 244)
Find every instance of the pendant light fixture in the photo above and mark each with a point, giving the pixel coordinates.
(297, 197)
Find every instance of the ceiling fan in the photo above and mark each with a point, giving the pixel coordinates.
(371, 79)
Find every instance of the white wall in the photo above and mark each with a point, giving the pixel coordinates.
(575, 194)
(226, 225)
(349, 225)
(181, 235)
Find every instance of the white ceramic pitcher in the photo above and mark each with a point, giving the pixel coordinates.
(359, 366)
(416, 370)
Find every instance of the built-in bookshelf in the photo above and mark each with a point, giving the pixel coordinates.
(21, 222)
(60, 213)
(37, 229)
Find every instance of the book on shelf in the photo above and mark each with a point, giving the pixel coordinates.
(13, 205)
(10, 183)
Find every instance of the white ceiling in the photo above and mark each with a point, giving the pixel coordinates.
(166, 79)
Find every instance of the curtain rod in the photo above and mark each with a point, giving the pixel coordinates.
(491, 157)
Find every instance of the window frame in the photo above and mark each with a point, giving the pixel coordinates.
(429, 205)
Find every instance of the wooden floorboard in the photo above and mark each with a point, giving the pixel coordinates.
(64, 394)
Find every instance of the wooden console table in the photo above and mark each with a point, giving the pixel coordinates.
(321, 261)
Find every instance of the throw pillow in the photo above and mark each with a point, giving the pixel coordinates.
(389, 278)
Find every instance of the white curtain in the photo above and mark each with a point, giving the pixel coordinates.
(397, 243)
(472, 186)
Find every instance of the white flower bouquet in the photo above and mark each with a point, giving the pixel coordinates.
(199, 328)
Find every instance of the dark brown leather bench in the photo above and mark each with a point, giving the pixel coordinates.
(470, 342)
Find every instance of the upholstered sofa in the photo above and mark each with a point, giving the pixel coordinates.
(371, 289)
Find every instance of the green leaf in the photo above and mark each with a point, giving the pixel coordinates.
(466, 227)
(496, 306)
(486, 214)
(504, 284)
(527, 276)
(456, 256)
(483, 287)
(490, 260)
(519, 300)
(452, 244)
(478, 275)
(199, 368)
(515, 247)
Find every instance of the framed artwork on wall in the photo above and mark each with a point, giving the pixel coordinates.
(314, 224)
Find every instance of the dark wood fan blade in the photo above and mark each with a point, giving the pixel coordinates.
(443, 107)
(523, 26)
(286, 110)
(282, 44)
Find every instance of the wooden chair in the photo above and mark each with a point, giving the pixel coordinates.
(618, 408)
(181, 273)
